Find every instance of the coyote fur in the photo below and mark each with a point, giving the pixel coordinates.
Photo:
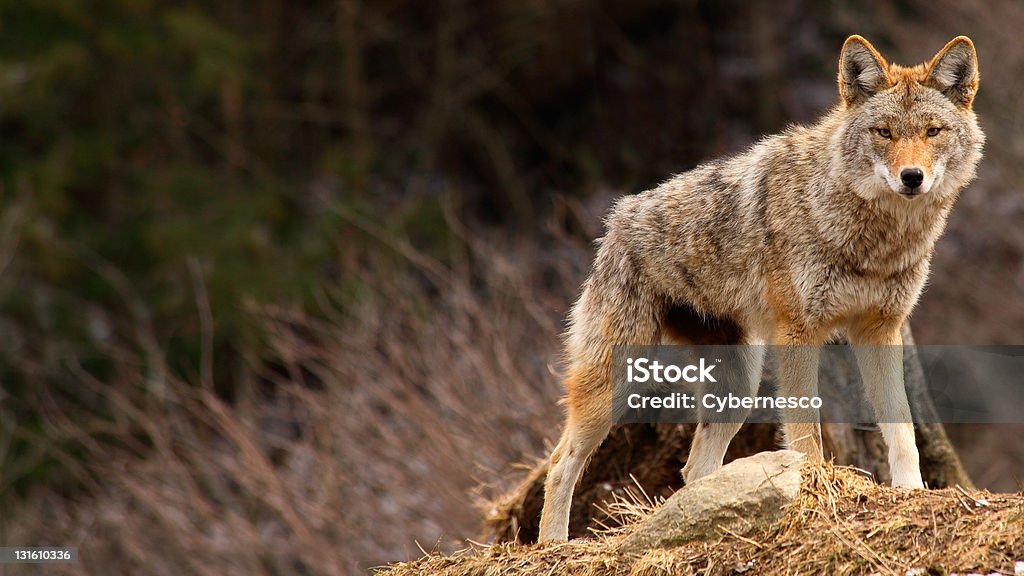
(815, 232)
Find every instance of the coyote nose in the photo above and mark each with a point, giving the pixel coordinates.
(912, 177)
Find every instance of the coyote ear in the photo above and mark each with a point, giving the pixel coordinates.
(862, 70)
(954, 71)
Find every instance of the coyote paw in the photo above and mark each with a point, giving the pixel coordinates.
(694, 471)
(908, 482)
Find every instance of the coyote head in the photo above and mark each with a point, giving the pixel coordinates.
(908, 130)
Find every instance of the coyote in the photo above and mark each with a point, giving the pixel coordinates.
(817, 231)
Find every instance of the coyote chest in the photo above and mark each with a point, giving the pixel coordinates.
(877, 266)
(832, 290)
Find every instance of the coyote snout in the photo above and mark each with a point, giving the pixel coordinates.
(806, 235)
(908, 164)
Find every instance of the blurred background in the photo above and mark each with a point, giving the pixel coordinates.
(281, 283)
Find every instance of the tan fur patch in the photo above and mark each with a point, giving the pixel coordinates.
(909, 152)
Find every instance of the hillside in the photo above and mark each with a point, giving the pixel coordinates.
(839, 523)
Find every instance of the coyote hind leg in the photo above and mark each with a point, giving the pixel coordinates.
(616, 307)
(586, 425)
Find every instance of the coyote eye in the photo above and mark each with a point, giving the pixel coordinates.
(884, 132)
(933, 132)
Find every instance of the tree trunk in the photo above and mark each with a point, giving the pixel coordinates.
(654, 454)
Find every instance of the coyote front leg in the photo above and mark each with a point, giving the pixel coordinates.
(797, 355)
(711, 440)
(878, 346)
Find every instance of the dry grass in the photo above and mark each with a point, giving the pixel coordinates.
(841, 523)
(358, 437)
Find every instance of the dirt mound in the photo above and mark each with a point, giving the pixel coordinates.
(841, 523)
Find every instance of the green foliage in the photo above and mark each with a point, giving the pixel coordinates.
(117, 133)
(218, 54)
(134, 168)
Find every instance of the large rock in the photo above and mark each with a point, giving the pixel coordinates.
(745, 494)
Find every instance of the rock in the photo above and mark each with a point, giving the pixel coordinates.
(747, 493)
